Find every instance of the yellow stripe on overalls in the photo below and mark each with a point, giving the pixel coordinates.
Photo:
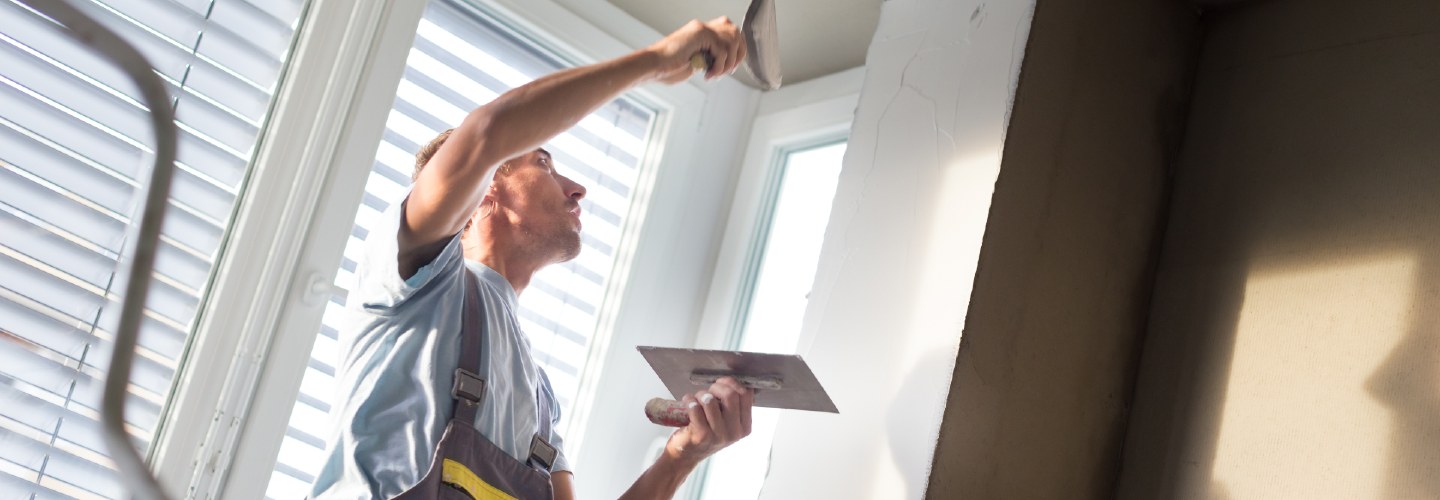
(457, 474)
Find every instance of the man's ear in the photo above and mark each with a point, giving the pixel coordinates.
(488, 203)
(492, 196)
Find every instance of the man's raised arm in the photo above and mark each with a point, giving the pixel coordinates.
(454, 182)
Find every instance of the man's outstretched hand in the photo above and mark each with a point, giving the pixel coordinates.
(719, 416)
(718, 37)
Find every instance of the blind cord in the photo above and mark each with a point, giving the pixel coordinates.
(134, 474)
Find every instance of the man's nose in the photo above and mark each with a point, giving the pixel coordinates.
(576, 191)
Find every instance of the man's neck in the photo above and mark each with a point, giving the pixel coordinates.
(515, 265)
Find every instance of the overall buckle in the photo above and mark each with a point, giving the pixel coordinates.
(542, 453)
(469, 387)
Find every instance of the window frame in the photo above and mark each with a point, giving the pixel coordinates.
(231, 403)
(759, 238)
(267, 279)
(813, 114)
(818, 113)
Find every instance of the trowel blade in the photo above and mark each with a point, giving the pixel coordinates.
(762, 40)
(799, 390)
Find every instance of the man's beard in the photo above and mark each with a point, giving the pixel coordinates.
(560, 241)
(569, 244)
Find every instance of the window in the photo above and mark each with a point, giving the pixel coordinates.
(769, 314)
(73, 138)
(461, 58)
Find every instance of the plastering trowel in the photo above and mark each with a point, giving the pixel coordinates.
(762, 39)
(780, 380)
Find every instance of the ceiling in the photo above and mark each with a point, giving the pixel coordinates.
(817, 37)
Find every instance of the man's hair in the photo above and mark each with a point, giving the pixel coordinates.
(423, 156)
(428, 151)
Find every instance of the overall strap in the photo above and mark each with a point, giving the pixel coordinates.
(542, 453)
(469, 387)
(544, 406)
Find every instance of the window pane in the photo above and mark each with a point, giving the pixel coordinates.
(462, 59)
(74, 139)
(776, 306)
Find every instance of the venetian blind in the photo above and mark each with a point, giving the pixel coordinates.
(73, 141)
(461, 59)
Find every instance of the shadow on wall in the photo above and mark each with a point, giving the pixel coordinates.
(1408, 383)
(1309, 335)
(1294, 349)
(901, 419)
(1329, 373)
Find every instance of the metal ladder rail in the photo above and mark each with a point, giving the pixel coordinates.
(134, 473)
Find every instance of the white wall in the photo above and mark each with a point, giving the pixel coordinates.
(899, 257)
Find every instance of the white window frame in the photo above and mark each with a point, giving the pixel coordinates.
(338, 86)
(232, 400)
(796, 117)
(814, 113)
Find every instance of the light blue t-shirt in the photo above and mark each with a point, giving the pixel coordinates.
(401, 342)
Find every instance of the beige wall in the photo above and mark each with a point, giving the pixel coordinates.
(1294, 343)
(1046, 364)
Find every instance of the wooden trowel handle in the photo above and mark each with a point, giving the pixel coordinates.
(667, 412)
(671, 413)
(701, 61)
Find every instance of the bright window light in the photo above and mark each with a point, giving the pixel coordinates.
(776, 304)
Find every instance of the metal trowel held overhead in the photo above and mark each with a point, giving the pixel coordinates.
(779, 380)
(762, 45)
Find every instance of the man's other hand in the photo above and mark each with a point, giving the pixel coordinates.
(719, 38)
(719, 416)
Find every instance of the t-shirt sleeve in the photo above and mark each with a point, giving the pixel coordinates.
(379, 287)
(561, 462)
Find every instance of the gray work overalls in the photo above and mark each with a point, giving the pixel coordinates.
(466, 465)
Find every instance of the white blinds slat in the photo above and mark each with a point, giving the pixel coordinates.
(73, 139)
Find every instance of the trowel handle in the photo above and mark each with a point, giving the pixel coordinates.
(671, 413)
(701, 61)
(667, 412)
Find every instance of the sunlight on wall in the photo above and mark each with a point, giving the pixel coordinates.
(1299, 421)
(951, 248)
(782, 288)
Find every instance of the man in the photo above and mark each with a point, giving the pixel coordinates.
(487, 200)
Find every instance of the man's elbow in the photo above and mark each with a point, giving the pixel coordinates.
(476, 137)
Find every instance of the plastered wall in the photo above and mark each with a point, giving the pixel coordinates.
(1294, 344)
(887, 307)
(1037, 409)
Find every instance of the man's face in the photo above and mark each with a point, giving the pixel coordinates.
(542, 205)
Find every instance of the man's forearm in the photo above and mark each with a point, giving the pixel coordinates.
(455, 180)
(517, 122)
(661, 480)
(525, 117)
